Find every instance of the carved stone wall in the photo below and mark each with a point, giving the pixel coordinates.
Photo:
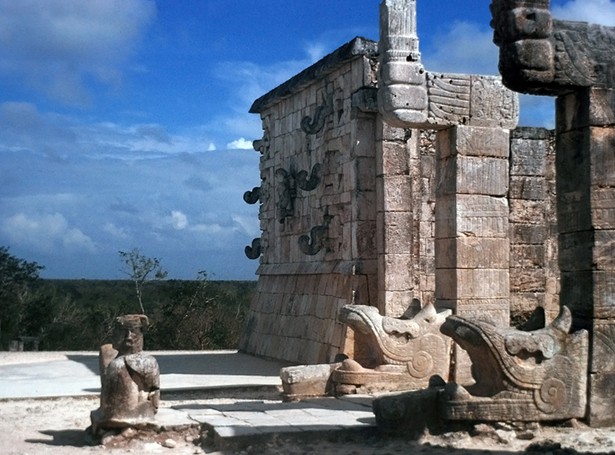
(347, 211)
(318, 198)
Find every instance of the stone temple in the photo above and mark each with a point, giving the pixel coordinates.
(393, 197)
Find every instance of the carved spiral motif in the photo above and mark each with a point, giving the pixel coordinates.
(421, 365)
(552, 396)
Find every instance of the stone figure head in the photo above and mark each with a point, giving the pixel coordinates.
(514, 20)
(128, 333)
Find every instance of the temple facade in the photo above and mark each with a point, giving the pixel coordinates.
(348, 211)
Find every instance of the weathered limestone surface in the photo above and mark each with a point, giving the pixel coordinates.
(574, 61)
(318, 248)
(130, 380)
(473, 115)
(520, 375)
(396, 353)
(534, 272)
(348, 206)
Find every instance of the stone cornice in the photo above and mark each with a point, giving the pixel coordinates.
(356, 48)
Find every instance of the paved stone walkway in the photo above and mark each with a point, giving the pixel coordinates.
(236, 422)
(245, 422)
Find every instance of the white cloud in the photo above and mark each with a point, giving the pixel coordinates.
(247, 224)
(114, 231)
(316, 51)
(24, 127)
(178, 220)
(56, 46)
(466, 48)
(46, 232)
(210, 229)
(240, 144)
(595, 11)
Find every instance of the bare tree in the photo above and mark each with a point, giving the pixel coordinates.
(141, 269)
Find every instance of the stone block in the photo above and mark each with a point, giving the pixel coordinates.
(364, 137)
(398, 272)
(496, 310)
(472, 215)
(525, 187)
(573, 161)
(602, 143)
(394, 159)
(527, 233)
(527, 280)
(528, 157)
(589, 294)
(410, 414)
(603, 347)
(365, 239)
(472, 253)
(472, 175)
(601, 399)
(527, 212)
(601, 111)
(527, 256)
(397, 303)
(397, 232)
(365, 174)
(530, 133)
(454, 284)
(587, 250)
(473, 141)
(524, 303)
(583, 108)
(603, 208)
(397, 193)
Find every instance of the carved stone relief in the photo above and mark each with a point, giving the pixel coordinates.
(313, 125)
(314, 242)
(287, 188)
(254, 251)
(253, 196)
(545, 56)
(520, 375)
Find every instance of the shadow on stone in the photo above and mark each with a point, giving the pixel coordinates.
(72, 438)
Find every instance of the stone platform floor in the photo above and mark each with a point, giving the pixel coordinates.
(236, 418)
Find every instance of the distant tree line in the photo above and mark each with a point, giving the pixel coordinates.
(78, 314)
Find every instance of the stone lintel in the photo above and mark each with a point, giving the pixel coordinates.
(452, 99)
(471, 100)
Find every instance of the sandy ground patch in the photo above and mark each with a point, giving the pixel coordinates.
(56, 426)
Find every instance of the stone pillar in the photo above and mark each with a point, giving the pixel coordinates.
(574, 61)
(534, 273)
(395, 232)
(473, 115)
(585, 121)
(472, 244)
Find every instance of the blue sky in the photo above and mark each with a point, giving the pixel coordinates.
(124, 123)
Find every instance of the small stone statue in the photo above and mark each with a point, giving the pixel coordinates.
(130, 380)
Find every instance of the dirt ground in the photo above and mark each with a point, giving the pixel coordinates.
(57, 426)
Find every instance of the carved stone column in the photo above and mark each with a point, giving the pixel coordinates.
(574, 61)
(473, 115)
(586, 222)
(472, 244)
